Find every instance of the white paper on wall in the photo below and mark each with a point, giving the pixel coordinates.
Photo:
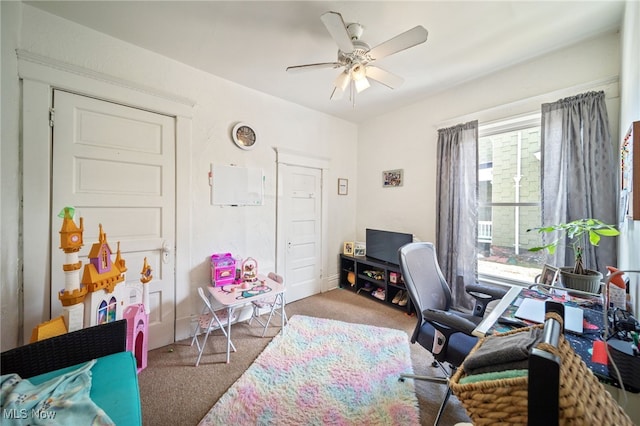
(236, 186)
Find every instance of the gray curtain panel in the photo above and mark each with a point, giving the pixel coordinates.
(579, 172)
(457, 209)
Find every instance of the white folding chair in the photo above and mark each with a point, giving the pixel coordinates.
(208, 321)
(274, 303)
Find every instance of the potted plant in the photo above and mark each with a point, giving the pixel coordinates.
(579, 232)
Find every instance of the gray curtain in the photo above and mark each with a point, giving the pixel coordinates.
(457, 208)
(579, 172)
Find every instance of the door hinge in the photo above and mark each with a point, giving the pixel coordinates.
(51, 116)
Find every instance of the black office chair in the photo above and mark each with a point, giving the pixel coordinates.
(447, 334)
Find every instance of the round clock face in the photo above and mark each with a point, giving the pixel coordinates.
(74, 238)
(244, 136)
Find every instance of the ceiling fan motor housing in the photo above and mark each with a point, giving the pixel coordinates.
(357, 56)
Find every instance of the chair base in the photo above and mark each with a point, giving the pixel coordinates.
(439, 380)
(432, 379)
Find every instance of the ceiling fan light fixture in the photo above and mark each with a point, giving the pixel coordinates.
(361, 84)
(358, 72)
(336, 94)
(342, 81)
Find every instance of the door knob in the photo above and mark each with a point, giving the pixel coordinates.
(166, 251)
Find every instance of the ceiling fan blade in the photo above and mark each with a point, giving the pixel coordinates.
(407, 39)
(308, 67)
(338, 30)
(385, 77)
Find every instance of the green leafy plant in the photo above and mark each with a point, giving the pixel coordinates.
(579, 232)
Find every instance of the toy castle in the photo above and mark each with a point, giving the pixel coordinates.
(97, 297)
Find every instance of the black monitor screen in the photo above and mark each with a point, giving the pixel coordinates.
(384, 245)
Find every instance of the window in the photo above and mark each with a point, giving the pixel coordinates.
(509, 199)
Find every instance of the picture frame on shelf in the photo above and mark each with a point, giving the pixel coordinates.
(343, 186)
(348, 248)
(550, 275)
(360, 249)
(392, 178)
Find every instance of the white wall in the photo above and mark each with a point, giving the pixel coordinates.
(10, 249)
(246, 231)
(407, 138)
(629, 243)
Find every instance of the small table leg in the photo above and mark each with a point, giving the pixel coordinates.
(282, 314)
(228, 334)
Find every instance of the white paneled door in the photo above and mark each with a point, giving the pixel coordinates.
(303, 200)
(116, 166)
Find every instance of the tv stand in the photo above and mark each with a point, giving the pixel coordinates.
(365, 275)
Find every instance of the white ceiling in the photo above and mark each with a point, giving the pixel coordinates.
(251, 43)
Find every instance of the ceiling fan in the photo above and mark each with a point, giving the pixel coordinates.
(356, 56)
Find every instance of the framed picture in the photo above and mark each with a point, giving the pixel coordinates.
(360, 249)
(392, 178)
(348, 248)
(630, 173)
(343, 186)
(550, 275)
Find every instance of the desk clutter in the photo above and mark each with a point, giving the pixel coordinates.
(587, 336)
(492, 394)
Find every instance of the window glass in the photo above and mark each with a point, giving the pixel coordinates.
(509, 201)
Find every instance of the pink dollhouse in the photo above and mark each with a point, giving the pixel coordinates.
(137, 333)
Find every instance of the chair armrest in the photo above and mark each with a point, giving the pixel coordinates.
(485, 291)
(448, 322)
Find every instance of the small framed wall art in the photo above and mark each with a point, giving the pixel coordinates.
(348, 248)
(343, 186)
(392, 178)
(630, 174)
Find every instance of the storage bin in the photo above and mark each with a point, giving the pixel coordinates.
(223, 269)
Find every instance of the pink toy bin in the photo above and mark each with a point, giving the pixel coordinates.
(223, 269)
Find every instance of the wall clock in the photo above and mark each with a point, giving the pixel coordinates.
(244, 136)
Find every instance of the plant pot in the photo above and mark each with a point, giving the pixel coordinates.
(589, 282)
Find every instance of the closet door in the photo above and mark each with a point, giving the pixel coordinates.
(116, 166)
(303, 223)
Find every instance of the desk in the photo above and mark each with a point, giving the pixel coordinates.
(581, 344)
(233, 296)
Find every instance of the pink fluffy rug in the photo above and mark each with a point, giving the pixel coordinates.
(323, 372)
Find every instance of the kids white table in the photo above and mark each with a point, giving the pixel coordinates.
(235, 295)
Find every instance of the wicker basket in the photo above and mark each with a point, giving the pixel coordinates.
(583, 399)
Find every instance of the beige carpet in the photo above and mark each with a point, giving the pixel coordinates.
(173, 391)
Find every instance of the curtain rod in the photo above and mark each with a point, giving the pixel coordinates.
(610, 86)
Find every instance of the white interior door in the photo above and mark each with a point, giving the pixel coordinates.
(116, 166)
(302, 190)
